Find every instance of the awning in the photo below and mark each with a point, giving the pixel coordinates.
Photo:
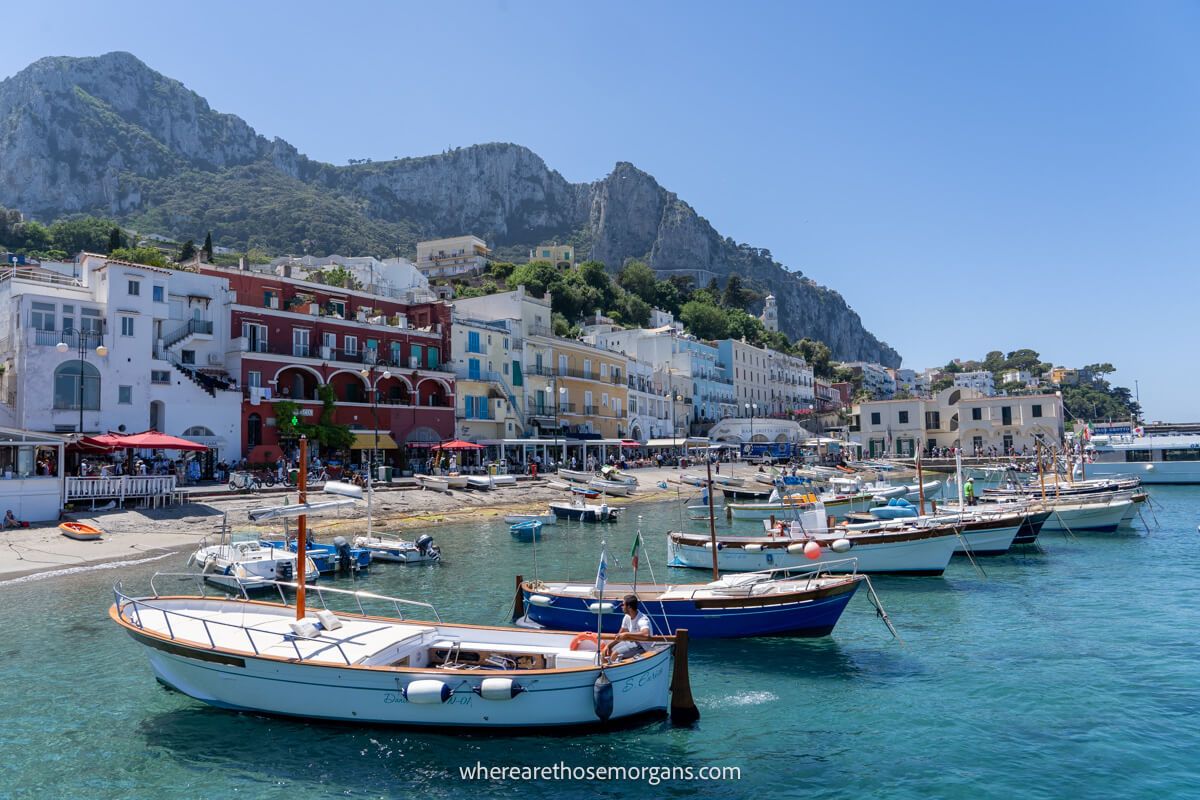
(367, 441)
(153, 440)
(458, 444)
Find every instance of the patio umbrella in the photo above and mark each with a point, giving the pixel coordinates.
(153, 440)
(457, 444)
(101, 443)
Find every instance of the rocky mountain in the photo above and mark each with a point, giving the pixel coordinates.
(109, 135)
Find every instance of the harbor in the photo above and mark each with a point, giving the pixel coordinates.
(974, 683)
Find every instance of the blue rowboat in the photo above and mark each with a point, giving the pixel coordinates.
(527, 531)
(770, 603)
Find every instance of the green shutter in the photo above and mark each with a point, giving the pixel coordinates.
(517, 378)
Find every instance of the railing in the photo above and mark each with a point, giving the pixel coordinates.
(38, 276)
(70, 338)
(120, 488)
(202, 327)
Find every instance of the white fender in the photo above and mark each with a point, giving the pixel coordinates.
(607, 607)
(754, 548)
(798, 547)
(841, 545)
(540, 600)
(427, 692)
(499, 689)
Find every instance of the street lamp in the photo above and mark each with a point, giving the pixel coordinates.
(101, 351)
(368, 372)
(554, 398)
(751, 408)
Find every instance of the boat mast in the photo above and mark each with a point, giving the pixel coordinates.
(1041, 474)
(712, 524)
(302, 529)
(920, 483)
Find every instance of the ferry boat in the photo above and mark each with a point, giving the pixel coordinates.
(1154, 459)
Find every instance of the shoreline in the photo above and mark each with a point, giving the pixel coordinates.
(133, 534)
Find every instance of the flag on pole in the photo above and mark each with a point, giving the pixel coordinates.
(602, 573)
(637, 545)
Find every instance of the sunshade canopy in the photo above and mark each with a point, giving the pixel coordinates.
(457, 444)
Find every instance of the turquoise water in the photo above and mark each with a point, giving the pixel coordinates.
(1070, 672)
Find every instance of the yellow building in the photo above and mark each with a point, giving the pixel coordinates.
(554, 253)
(590, 386)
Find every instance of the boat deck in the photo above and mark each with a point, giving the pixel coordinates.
(358, 642)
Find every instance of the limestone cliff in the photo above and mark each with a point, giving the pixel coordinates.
(110, 135)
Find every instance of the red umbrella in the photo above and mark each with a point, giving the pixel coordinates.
(153, 440)
(457, 444)
(630, 443)
(101, 443)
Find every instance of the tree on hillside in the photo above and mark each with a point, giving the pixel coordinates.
(817, 354)
(994, 361)
(537, 277)
(638, 278)
(188, 251)
(83, 233)
(1023, 359)
(140, 255)
(736, 295)
(116, 239)
(207, 249)
(740, 325)
(634, 310)
(704, 320)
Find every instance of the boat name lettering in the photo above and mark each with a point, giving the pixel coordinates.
(393, 697)
(641, 680)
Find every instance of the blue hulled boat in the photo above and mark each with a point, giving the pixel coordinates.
(337, 555)
(527, 531)
(770, 603)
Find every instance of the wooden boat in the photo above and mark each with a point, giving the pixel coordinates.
(614, 488)
(456, 480)
(980, 534)
(435, 482)
(81, 531)
(585, 512)
(575, 476)
(545, 519)
(784, 507)
(693, 480)
(402, 551)
(775, 602)
(252, 656)
(728, 480)
(527, 531)
(746, 494)
(586, 492)
(701, 511)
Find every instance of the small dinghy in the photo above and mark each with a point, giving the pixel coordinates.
(585, 512)
(434, 482)
(479, 482)
(80, 531)
(615, 488)
(527, 531)
(545, 519)
(456, 480)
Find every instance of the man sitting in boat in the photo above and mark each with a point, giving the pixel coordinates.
(635, 629)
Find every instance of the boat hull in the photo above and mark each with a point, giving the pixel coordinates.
(815, 616)
(1158, 472)
(345, 694)
(583, 513)
(1100, 518)
(929, 555)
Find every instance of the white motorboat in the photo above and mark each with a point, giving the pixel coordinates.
(613, 474)
(258, 657)
(516, 519)
(1084, 514)
(693, 480)
(615, 488)
(1154, 459)
(575, 476)
(435, 482)
(240, 560)
(585, 512)
(909, 551)
(383, 548)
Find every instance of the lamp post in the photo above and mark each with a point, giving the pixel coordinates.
(368, 372)
(101, 351)
(555, 391)
(751, 408)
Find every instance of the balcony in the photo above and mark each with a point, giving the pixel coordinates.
(70, 338)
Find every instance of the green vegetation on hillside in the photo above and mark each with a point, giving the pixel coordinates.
(59, 240)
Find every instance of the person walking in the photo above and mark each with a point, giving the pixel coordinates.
(969, 491)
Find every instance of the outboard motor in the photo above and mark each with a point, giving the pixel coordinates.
(427, 548)
(345, 560)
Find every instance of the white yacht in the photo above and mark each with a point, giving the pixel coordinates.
(1154, 459)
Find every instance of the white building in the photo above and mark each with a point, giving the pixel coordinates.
(911, 381)
(956, 417)
(875, 379)
(99, 345)
(390, 277)
(790, 383)
(486, 355)
(981, 381)
(770, 314)
(458, 255)
(649, 407)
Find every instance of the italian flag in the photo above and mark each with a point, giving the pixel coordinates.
(637, 545)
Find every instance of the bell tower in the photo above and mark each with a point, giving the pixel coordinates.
(770, 314)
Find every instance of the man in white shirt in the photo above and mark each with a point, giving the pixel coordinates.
(635, 629)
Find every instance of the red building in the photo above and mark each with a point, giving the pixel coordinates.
(382, 358)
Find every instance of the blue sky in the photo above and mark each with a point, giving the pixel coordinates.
(970, 176)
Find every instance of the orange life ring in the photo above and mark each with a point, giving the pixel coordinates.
(586, 636)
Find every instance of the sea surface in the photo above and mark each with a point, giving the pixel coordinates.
(1067, 671)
